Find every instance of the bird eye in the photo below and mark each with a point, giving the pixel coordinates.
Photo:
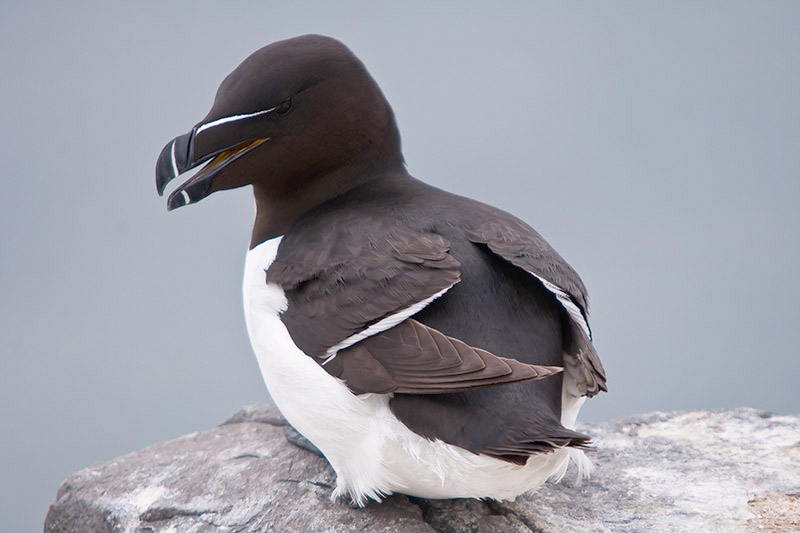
(284, 106)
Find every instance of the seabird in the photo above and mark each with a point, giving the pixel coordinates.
(426, 343)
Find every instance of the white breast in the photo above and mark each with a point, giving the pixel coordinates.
(372, 452)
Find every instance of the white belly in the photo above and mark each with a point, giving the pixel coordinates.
(372, 452)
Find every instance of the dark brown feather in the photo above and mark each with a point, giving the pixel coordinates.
(340, 287)
(412, 358)
(520, 245)
(582, 362)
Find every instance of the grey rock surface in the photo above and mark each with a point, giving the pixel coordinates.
(735, 470)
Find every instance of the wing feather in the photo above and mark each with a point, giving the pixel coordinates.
(338, 290)
(412, 358)
(519, 244)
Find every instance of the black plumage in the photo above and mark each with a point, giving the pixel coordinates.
(395, 241)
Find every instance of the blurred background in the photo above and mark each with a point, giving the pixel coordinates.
(655, 145)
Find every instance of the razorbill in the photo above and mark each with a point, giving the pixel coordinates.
(416, 337)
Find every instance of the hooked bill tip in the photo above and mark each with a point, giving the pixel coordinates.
(178, 200)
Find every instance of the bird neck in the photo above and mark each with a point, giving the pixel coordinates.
(276, 212)
(280, 202)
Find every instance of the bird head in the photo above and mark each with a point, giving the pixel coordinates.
(300, 117)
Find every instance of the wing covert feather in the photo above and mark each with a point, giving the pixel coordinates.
(338, 289)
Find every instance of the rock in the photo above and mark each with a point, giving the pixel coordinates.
(734, 470)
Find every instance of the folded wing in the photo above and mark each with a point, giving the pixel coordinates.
(519, 244)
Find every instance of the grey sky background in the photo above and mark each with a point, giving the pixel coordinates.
(656, 145)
